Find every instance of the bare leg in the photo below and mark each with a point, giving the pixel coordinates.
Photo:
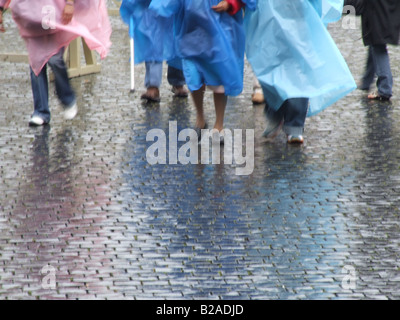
(220, 101)
(198, 98)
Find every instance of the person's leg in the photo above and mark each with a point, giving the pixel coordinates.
(176, 79)
(383, 71)
(40, 91)
(369, 73)
(295, 113)
(198, 100)
(64, 89)
(220, 100)
(153, 80)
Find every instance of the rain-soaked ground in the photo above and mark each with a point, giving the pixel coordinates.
(83, 215)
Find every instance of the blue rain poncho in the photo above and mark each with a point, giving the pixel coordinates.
(294, 56)
(153, 35)
(210, 44)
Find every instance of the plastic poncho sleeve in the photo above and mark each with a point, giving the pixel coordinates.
(166, 8)
(4, 3)
(152, 33)
(329, 10)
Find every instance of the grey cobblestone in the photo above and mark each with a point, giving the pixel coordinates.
(81, 197)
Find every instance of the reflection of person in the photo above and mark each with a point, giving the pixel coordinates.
(153, 44)
(380, 27)
(300, 68)
(210, 41)
(46, 47)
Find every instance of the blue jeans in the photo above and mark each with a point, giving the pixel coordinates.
(293, 112)
(153, 75)
(40, 87)
(378, 63)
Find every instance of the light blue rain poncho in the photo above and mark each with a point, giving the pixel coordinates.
(293, 54)
(210, 44)
(153, 35)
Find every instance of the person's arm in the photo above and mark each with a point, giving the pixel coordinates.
(68, 12)
(230, 6)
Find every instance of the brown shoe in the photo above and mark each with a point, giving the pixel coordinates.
(151, 95)
(180, 91)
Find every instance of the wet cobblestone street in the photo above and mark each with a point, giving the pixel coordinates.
(79, 200)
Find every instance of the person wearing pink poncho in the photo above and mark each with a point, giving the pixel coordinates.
(48, 26)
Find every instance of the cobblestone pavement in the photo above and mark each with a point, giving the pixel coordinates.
(80, 202)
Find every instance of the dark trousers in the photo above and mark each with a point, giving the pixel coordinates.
(293, 112)
(40, 87)
(378, 64)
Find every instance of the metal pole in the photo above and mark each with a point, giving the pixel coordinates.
(132, 59)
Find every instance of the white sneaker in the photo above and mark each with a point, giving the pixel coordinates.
(70, 112)
(36, 121)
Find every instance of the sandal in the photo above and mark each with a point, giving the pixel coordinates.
(378, 97)
(180, 92)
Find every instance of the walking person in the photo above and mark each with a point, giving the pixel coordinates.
(380, 28)
(211, 41)
(46, 41)
(297, 63)
(153, 37)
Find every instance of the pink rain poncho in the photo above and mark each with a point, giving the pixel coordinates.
(40, 25)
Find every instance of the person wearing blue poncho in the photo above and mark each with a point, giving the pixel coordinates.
(153, 36)
(210, 40)
(296, 61)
